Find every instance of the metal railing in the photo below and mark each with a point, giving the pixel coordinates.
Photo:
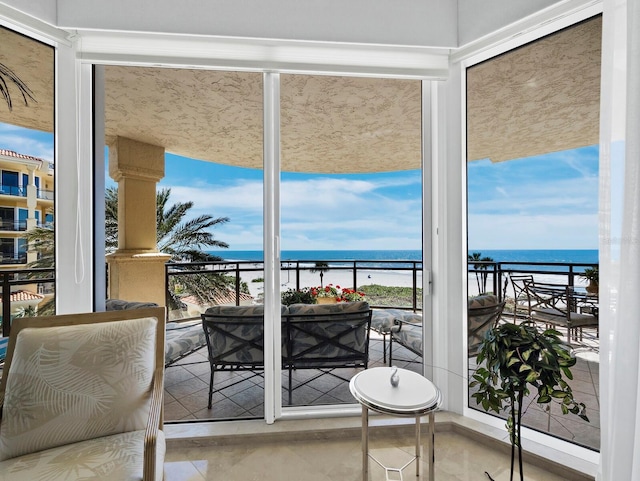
(20, 277)
(498, 272)
(238, 268)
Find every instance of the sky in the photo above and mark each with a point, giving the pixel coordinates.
(546, 202)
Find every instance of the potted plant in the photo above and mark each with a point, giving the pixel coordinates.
(592, 275)
(514, 358)
(350, 295)
(326, 295)
(293, 296)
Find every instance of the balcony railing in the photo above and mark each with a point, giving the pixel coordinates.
(293, 270)
(494, 276)
(44, 279)
(22, 192)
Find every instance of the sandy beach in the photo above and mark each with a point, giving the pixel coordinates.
(344, 278)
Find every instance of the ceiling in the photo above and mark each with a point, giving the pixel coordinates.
(540, 98)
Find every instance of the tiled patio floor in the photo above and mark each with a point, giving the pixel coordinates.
(240, 394)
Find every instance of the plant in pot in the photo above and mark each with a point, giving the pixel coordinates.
(514, 358)
(326, 295)
(592, 275)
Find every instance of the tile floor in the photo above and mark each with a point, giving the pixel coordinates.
(240, 394)
(457, 458)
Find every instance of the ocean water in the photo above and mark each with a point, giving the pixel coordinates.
(577, 256)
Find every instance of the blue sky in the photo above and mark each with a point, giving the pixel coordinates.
(546, 202)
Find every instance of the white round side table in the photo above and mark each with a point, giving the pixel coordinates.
(413, 396)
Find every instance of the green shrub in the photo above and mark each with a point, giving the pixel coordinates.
(293, 296)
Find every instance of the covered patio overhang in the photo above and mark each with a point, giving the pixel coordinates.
(329, 124)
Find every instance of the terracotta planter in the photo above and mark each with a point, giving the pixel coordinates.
(592, 288)
(326, 300)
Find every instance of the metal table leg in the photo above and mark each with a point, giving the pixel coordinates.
(417, 446)
(365, 443)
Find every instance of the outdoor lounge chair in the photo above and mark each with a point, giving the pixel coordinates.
(483, 312)
(325, 337)
(81, 397)
(520, 298)
(181, 338)
(235, 340)
(321, 337)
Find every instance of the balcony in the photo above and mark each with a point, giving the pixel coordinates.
(239, 395)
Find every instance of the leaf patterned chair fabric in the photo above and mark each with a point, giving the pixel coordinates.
(483, 312)
(82, 398)
(382, 320)
(325, 337)
(182, 338)
(235, 339)
(314, 336)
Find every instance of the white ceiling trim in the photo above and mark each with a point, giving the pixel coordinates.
(535, 26)
(32, 27)
(169, 50)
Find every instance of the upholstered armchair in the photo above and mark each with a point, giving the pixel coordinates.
(81, 397)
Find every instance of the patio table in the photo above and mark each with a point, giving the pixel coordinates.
(413, 396)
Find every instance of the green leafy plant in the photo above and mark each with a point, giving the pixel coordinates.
(293, 296)
(591, 274)
(350, 295)
(327, 291)
(515, 357)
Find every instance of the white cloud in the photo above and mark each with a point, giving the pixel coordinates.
(14, 138)
(319, 213)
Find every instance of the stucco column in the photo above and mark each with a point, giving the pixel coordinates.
(136, 269)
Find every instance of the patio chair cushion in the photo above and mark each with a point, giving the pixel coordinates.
(383, 319)
(329, 333)
(80, 372)
(111, 458)
(233, 327)
(183, 338)
(409, 335)
(484, 300)
(120, 305)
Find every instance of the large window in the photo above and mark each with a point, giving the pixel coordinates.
(532, 190)
(27, 139)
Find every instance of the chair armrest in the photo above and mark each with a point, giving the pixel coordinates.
(398, 323)
(154, 422)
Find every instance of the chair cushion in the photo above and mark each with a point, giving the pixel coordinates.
(99, 374)
(311, 325)
(410, 336)
(112, 458)
(321, 309)
(182, 338)
(120, 305)
(383, 319)
(484, 300)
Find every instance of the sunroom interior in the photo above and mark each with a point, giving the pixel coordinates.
(98, 44)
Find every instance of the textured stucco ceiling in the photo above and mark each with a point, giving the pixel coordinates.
(543, 97)
(329, 124)
(32, 62)
(540, 98)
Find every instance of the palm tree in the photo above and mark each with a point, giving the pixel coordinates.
(480, 266)
(7, 74)
(320, 267)
(183, 240)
